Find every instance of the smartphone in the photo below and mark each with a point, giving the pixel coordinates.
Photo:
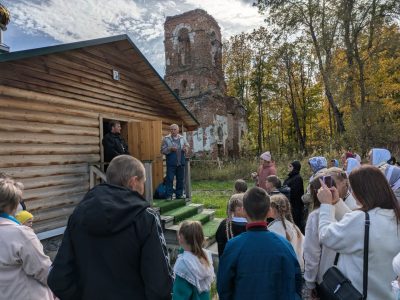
(328, 181)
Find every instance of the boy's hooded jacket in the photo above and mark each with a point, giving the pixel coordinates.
(113, 248)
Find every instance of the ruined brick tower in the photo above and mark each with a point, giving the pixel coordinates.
(193, 54)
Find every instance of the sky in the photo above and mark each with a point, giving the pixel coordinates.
(41, 23)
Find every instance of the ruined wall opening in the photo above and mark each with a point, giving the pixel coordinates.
(183, 85)
(184, 48)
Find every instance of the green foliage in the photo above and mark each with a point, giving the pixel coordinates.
(323, 76)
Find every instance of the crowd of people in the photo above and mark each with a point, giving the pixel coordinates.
(278, 241)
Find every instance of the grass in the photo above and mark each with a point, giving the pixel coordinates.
(214, 194)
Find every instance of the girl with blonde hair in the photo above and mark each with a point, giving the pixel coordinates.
(193, 269)
(283, 224)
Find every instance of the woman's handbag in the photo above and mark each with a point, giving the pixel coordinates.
(335, 286)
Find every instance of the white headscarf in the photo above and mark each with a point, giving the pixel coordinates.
(392, 174)
(380, 156)
(352, 164)
(396, 264)
(266, 156)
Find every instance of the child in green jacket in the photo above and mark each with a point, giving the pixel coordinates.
(193, 269)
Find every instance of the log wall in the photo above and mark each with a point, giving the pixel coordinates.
(50, 112)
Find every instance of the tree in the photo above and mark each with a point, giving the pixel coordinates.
(320, 20)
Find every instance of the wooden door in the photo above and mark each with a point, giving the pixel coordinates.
(144, 142)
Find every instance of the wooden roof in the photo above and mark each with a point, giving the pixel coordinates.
(132, 59)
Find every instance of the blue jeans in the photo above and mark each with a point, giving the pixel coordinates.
(179, 172)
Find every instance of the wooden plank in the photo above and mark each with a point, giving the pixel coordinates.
(39, 182)
(52, 213)
(92, 95)
(55, 191)
(158, 173)
(70, 199)
(56, 76)
(71, 99)
(133, 139)
(44, 117)
(9, 161)
(25, 126)
(28, 172)
(51, 233)
(34, 149)
(42, 106)
(145, 140)
(47, 138)
(50, 224)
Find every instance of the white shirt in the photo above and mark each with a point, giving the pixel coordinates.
(317, 257)
(347, 238)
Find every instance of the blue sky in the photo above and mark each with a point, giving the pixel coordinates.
(40, 23)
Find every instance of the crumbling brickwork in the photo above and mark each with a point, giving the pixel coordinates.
(193, 53)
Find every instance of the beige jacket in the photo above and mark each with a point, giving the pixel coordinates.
(23, 265)
(296, 237)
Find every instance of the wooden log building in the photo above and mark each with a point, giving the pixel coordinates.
(55, 105)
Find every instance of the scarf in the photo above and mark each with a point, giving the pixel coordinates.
(9, 217)
(352, 164)
(317, 163)
(189, 267)
(392, 174)
(380, 156)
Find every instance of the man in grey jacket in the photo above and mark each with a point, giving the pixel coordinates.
(174, 147)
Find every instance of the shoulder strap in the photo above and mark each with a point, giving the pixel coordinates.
(366, 249)
(365, 259)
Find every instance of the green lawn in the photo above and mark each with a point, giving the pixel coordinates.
(213, 194)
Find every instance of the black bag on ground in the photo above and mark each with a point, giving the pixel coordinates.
(335, 286)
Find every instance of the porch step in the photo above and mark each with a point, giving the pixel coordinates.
(209, 228)
(167, 205)
(167, 221)
(205, 216)
(185, 212)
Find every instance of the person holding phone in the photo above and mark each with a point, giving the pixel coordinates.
(317, 257)
(373, 193)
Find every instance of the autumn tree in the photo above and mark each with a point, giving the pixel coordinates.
(319, 20)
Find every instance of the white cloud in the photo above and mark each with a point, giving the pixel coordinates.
(233, 16)
(74, 20)
(71, 20)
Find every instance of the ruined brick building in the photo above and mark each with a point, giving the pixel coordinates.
(193, 53)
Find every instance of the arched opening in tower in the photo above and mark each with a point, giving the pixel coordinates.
(184, 47)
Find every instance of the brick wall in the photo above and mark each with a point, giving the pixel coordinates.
(193, 53)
